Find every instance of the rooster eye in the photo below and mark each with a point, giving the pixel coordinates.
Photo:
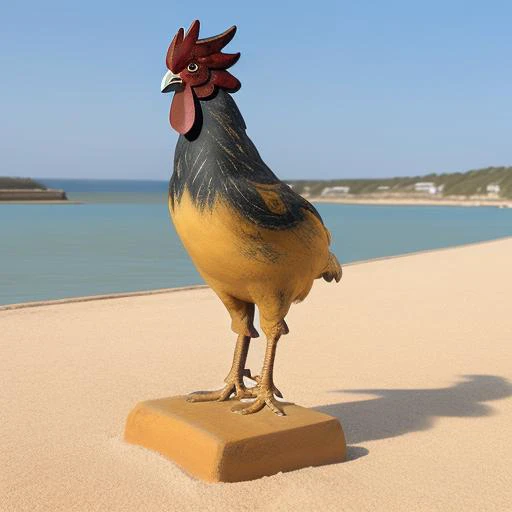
(192, 67)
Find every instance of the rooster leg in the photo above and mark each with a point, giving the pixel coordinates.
(264, 391)
(234, 380)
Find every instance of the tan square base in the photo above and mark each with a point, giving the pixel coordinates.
(214, 444)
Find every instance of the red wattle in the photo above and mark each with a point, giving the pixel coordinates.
(183, 112)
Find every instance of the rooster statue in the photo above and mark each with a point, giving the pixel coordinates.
(254, 240)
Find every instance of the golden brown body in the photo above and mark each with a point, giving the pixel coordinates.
(246, 264)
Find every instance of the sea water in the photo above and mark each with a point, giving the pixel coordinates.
(121, 239)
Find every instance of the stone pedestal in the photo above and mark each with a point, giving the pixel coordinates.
(214, 444)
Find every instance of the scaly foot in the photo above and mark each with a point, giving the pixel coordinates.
(233, 386)
(264, 397)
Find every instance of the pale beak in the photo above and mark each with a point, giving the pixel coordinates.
(171, 82)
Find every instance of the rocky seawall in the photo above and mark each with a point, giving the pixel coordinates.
(32, 195)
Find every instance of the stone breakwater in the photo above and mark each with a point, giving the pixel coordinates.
(32, 195)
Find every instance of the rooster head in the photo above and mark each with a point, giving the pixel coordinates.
(197, 67)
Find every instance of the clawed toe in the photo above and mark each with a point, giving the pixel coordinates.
(210, 396)
(239, 391)
(263, 399)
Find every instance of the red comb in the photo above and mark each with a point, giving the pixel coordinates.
(186, 47)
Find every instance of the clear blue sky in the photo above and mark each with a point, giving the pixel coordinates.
(329, 89)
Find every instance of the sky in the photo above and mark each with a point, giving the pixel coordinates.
(329, 89)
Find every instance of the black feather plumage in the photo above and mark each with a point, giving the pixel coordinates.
(217, 159)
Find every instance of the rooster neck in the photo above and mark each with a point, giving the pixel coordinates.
(217, 114)
(219, 127)
(217, 154)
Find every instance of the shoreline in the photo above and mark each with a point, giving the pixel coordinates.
(159, 291)
(362, 201)
(467, 203)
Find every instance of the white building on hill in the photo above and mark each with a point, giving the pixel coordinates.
(335, 191)
(493, 189)
(428, 187)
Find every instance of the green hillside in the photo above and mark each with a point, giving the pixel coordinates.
(460, 183)
(20, 183)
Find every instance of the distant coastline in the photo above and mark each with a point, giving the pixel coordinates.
(491, 183)
(489, 187)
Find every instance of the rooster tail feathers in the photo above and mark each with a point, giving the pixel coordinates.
(333, 269)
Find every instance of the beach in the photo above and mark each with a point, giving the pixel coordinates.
(412, 354)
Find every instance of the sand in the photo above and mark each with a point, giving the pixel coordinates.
(412, 354)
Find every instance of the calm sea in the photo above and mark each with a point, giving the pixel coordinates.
(121, 239)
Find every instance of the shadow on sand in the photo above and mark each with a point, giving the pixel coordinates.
(398, 411)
